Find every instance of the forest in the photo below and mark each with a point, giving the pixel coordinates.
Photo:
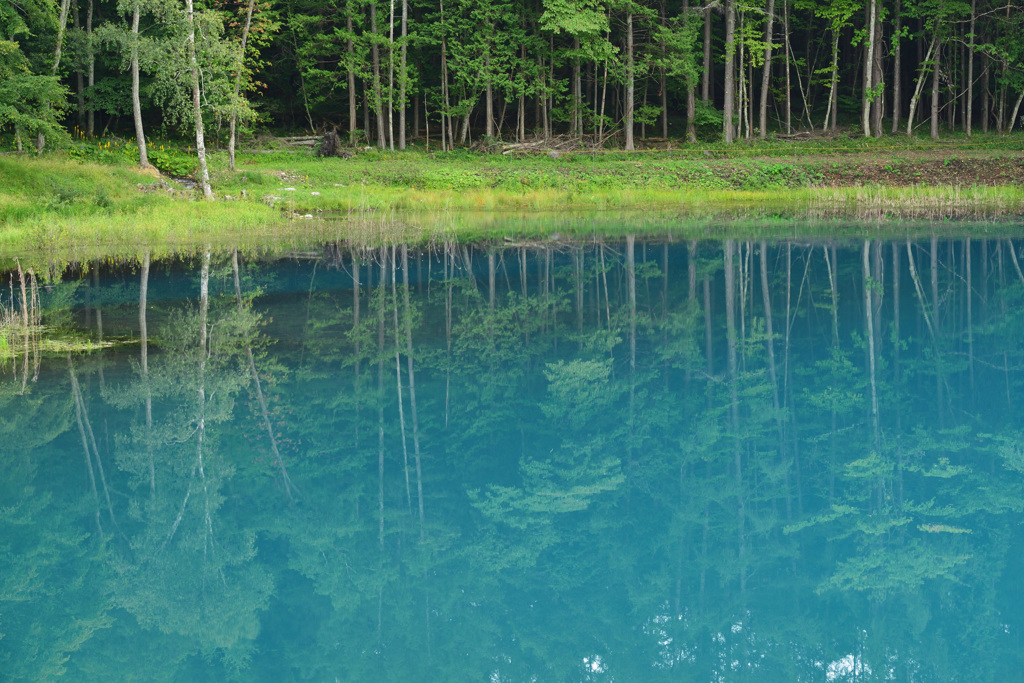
(470, 71)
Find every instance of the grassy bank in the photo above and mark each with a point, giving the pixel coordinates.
(92, 198)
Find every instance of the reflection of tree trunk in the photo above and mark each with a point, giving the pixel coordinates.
(970, 303)
(770, 345)
(85, 444)
(144, 368)
(204, 307)
(449, 276)
(356, 266)
(709, 365)
(835, 294)
(398, 381)
(412, 387)
(85, 427)
(99, 321)
(896, 325)
(490, 279)
(787, 398)
(1002, 312)
(691, 295)
(871, 338)
(730, 326)
(934, 252)
(264, 413)
(631, 289)
(380, 399)
(604, 277)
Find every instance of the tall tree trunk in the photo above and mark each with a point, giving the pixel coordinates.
(628, 104)
(766, 74)
(969, 115)
(577, 91)
(79, 75)
(935, 93)
(877, 78)
(706, 75)
(488, 95)
(691, 93)
(238, 84)
(730, 71)
(403, 77)
(197, 110)
(869, 69)
(897, 69)
(833, 93)
(140, 134)
(90, 56)
(391, 77)
(919, 86)
(378, 102)
(786, 47)
(351, 50)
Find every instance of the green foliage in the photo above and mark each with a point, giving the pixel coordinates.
(173, 162)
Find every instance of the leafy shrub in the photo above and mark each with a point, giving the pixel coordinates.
(708, 122)
(173, 163)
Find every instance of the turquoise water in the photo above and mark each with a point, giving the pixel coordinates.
(634, 460)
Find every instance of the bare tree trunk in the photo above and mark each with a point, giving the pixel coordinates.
(378, 102)
(351, 50)
(935, 93)
(897, 69)
(238, 84)
(706, 75)
(766, 74)
(197, 110)
(140, 134)
(833, 96)
(869, 70)
(628, 104)
(391, 76)
(403, 76)
(968, 117)
(90, 114)
(789, 95)
(985, 113)
(920, 86)
(730, 71)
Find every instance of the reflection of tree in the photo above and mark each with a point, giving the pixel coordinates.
(189, 573)
(587, 466)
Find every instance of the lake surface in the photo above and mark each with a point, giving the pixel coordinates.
(626, 460)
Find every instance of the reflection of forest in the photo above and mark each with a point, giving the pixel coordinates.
(613, 460)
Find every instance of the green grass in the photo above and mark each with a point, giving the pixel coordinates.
(88, 201)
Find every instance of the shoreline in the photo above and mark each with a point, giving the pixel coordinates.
(60, 204)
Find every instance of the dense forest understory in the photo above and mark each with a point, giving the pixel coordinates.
(604, 73)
